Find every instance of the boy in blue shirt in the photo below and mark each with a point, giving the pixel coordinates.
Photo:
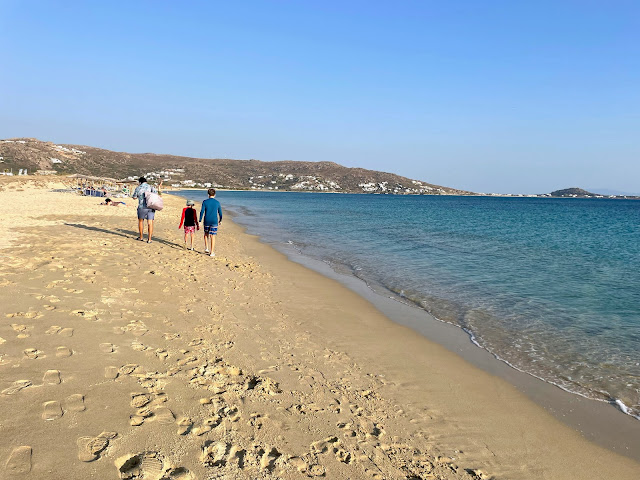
(212, 213)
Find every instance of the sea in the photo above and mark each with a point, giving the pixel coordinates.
(549, 286)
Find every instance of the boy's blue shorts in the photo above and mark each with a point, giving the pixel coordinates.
(211, 229)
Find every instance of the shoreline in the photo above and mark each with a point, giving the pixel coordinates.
(601, 421)
(606, 426)
(247, 353)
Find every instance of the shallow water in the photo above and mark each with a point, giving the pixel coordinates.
(551, 286)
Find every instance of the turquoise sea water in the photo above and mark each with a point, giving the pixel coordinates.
(551, 286)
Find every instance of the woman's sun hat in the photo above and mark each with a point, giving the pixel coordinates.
(190, 202)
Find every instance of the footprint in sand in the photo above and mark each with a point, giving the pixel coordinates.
(52, 377)
(107, 347)
(221, 453)
(89, 448)
(268, 459)
(332, 445)
(180, 473)
(63, 352)
(190, 359)
(16, 387)
(139, 400)
(164, 416)
(161, 353)
(75, 403)
(19, 461)
(32, 353)
(139, 347)
(311, 470)
(128, 369)
(66, 332)
(199, 431)
(23, 331)
(140, 416)
(30, 314)
(56, 329)
(322, 446)
(52, 410)
(88, 314)
(145, 465)
(212, 422)
(139, 331)
(111, 373)
(214, 454)
(72, 290)
(136, 420)
(184, 424)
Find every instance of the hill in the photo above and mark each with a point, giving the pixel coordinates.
(34, 154)
(573, 192)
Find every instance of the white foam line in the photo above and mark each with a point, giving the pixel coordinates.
(613, 401)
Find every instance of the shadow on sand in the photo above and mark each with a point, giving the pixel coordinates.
(120, 232)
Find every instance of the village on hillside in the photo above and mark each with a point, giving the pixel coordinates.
(32, 156)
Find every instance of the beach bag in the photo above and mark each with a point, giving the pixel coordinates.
(153, 201)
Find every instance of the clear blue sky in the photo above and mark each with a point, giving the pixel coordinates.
(493, 96)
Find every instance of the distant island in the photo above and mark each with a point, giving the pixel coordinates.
(575, 192)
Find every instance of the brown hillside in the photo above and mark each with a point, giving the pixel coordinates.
(34, 154)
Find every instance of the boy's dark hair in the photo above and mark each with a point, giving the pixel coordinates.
(107, 200)
(142, 180)
(211, 192)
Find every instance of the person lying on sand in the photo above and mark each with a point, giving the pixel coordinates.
(108, 201)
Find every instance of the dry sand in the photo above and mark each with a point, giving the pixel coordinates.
(121, 359)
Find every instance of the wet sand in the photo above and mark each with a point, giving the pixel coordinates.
(122, 359)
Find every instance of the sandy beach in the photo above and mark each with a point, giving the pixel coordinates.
(122, 359)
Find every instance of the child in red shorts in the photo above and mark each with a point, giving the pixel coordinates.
(190, 221)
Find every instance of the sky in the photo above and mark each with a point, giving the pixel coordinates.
(488, 96)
